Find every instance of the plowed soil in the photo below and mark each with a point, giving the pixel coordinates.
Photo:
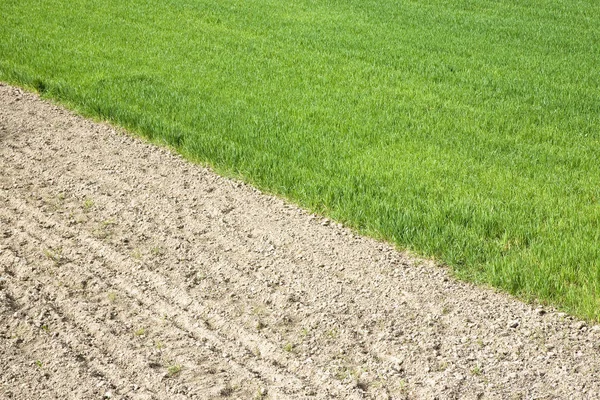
(127, 272)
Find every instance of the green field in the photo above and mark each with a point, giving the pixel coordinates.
(467, 131)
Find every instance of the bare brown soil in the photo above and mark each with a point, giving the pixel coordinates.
(129, 273)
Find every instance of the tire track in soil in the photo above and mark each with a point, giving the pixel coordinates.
(104, 235)
(102, 336)
(151, 297)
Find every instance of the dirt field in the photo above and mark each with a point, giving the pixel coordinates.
(128, 273)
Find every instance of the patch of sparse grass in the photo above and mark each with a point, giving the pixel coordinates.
(403, 386)
(288, 347)
(331, 333)
(88, 204)
(39, 364)
(260, 393)
(136, 254)
(347, 372)
(20, 331)
(104, 229)
(55, 255)
(259, 310)
(157, 251)
(174, 369)
(466, 131)
(476, 370)
(112, 296)
(140, 332)
(55, 203)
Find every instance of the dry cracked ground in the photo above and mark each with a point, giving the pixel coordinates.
(129, 273)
